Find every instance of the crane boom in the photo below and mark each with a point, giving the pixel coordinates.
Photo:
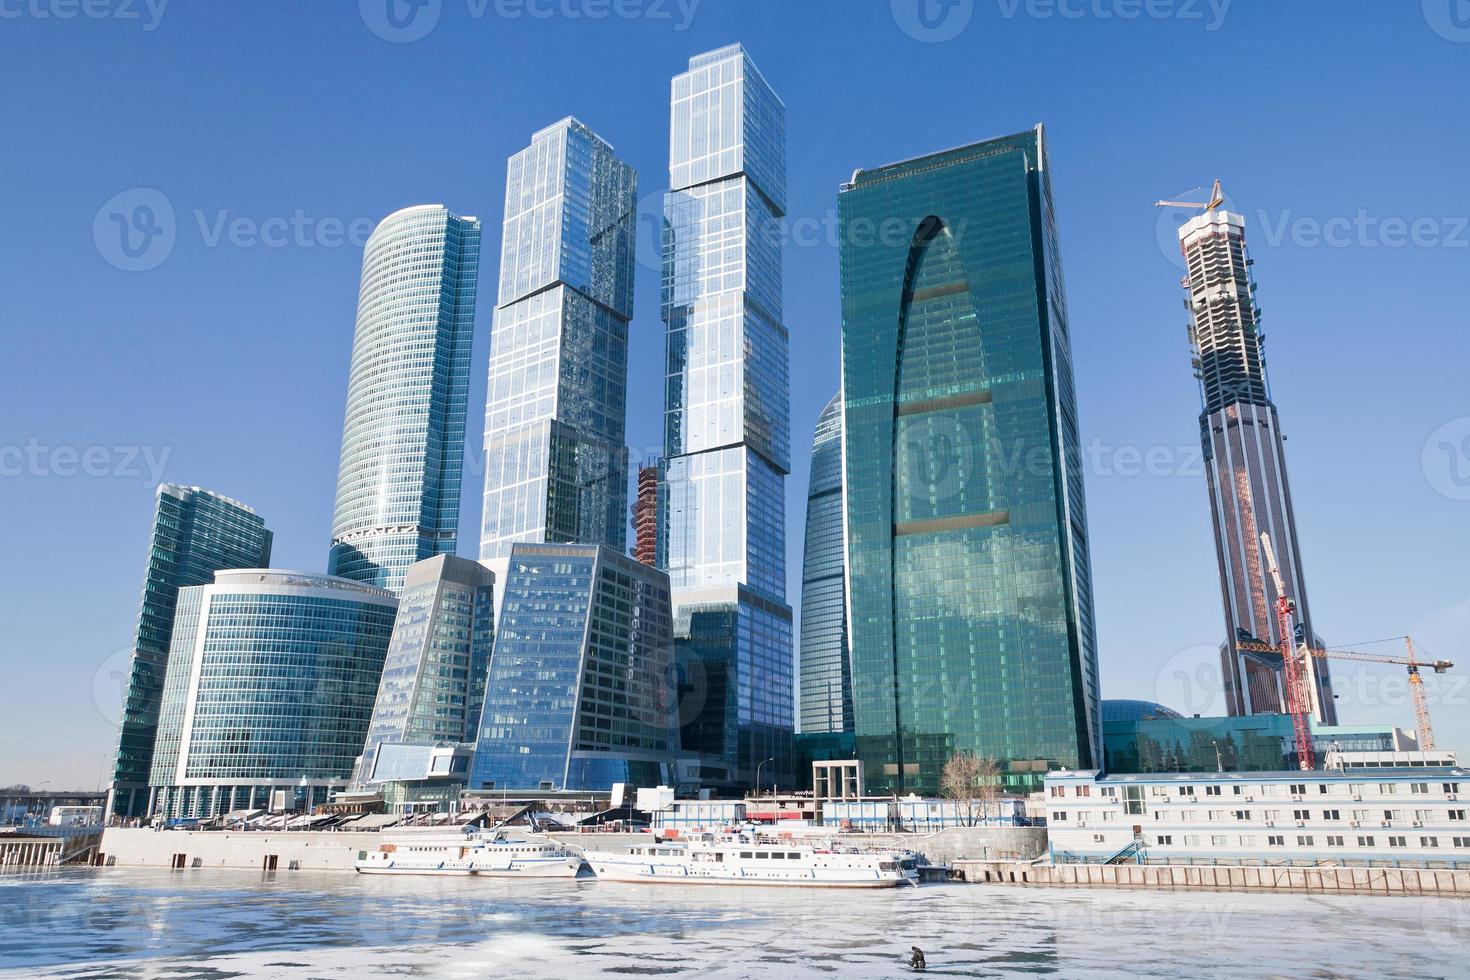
(1297, 702)
(1412, 662)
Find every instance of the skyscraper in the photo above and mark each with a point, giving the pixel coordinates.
(195, 533)
(645, 516)
(726, 439)
(433, 684)
(270, 686)
(1245, 466)
(826, 678)
(582, 692)
(403, 438)
(556, 468)
(969, 581)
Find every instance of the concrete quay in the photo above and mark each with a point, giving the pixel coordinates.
(1322, 879)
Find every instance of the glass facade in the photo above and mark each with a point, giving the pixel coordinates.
(556, 468)
(270, 687)
(726, 406)
(581, 692)
(1245, 467)
(1263, 743)
(403, 439)
(969, 578)
(433, 685)
(826, 678)
(195, 533)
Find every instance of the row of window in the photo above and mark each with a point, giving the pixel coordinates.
(1301, 840)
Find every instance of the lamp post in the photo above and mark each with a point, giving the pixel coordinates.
(758, 778)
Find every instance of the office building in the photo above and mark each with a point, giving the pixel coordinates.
(1245, 467)
(971, 623)
(556, 468)
(1402, 810)
(270, 686)
(195, 533)
(726, 417)
(403, 438)
(433, 685)
(826, 678)
(582, 692)
(645, 516)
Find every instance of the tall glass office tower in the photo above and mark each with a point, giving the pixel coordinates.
(403, 438)
(270, 687)
(582, 692)
(726, 438)
(1245, 466)
(195, 533)
(556, 468)
(826, 678)
(433, 685)
(971, 598)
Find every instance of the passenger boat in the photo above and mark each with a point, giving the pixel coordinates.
(493, 855)
(738, 859)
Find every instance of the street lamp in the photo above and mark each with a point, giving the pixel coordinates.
(758, 778)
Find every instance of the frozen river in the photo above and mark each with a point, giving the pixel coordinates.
(219, 924)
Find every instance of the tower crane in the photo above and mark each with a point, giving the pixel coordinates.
(1411, 662)
(1298, 702)
(1216, 199)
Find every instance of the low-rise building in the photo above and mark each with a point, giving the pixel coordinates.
(1388, 816)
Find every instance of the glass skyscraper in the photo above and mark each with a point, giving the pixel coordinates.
(556, 468)
(433, 685)
(726, 429)
(971, 616)
(582, 692)
(826, 677)
(403, 438)
(195, 533)
(1245, 467)
(270, 686)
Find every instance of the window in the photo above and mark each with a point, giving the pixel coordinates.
(1164, 840)
(1059, 815)
(1058, 791)
(1333, 840)
(1272, 814)
(1242, 814)
(1276, 840)
(1304, 840)
(1398, 842)
(1109, 816)
(1217, 814)
(1084, 790)
(1301, 814)
(1451, 787)
(1366, 841)
(1212, 791)
(1218, 840)
(1462, 841)
(1331, 814)
(1186, 791)
(1191, 840)
(1247, 840)
(1386, 789)
(1457, 814)
(1429, 842)
(1418, 788)
(1108, 791)
(1321, 789)
(1361, 815)
(1298, 789)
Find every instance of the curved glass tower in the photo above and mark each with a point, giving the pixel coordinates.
(403, 439)
(969, 578)
(826, 680)
(270, 686)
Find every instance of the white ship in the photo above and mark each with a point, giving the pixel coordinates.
(736, 859)
(492, 855)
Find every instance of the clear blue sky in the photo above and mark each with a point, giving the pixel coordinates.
(1336, 125)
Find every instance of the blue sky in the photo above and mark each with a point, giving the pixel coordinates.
(277, 132)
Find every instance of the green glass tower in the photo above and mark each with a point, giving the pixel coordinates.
(971, 624)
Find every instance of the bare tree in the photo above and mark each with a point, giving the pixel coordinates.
(970, 779)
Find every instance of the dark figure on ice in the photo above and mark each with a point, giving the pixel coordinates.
(916, 958)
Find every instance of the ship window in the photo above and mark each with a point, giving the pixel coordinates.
(761, 854)
(745, 854)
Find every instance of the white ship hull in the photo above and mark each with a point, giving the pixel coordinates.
(471, 856)
(619, 867)
(555, 868)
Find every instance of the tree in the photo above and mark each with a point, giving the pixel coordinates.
(969, 779)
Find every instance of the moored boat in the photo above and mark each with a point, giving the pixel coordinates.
(738, 859)
(493, 855)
